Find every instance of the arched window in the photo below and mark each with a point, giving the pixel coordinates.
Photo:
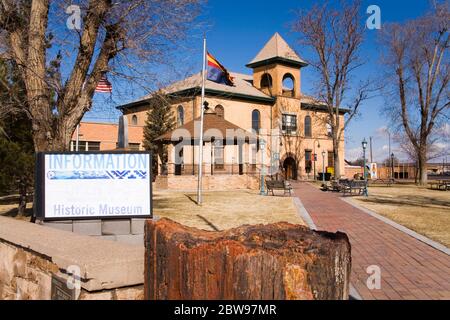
(256, 121)
(308, 130)
(134, 120)
(266, 81)
(220, 111)
(288, 85)
(180, 116)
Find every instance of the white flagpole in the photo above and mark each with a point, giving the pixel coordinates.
(200, 160)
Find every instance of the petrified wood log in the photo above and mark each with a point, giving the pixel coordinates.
(272, 262)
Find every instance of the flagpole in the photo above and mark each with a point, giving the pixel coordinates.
(200, 160)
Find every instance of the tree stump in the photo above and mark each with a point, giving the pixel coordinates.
(262, 262)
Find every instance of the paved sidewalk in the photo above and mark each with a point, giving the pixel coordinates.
(410, 269)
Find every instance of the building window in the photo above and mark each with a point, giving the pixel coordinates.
(180, 116)
(308, 131)
(134, 120)
(289, 124)
(308, 161)
(266, 81)
(330, 159)
(288, 85)
(256, 121)
(131, 146)
(220, 111)
(85, 146)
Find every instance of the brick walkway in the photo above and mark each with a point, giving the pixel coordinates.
(410, 269)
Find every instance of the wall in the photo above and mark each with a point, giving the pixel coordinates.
(218, 182)
(30, 254)
(107, 134)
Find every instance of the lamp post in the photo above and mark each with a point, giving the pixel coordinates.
(392, 165)
(315, 157)
(364, 146)
(323, 167)
(263, 150)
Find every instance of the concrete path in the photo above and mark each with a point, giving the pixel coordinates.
(410, 268)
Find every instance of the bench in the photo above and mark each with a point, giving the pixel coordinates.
(440, 185)
(351, 187)
(278, 185)
(387, 182)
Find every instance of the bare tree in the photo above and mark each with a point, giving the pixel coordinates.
(335, 36)
(417, 78)
(61, 68)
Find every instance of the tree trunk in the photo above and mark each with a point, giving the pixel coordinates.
(22, 208)
(337, 158)
(423, 178)
(273, 262)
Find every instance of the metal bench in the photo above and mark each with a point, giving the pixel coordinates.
(351, 187)
(278, 185)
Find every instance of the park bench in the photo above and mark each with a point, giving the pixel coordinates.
(440, 185)
(351, 187)
(278, 185)
(387, 182)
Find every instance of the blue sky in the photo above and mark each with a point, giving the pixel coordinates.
(237, 30)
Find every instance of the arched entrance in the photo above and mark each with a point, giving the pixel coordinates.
(290, 168)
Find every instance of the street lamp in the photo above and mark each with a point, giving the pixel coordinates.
(392, 165)
(364, 146)
(263, 150)
(323, 167)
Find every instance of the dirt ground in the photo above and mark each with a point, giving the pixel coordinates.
(423, 210)
(224, 210)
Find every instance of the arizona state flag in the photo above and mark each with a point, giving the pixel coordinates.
(217, 72)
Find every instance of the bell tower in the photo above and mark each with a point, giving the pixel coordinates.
(276, 69)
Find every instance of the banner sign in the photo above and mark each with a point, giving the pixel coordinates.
(94, 185)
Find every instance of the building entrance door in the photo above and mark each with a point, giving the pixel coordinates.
(290, 169)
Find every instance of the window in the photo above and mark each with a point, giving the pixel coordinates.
(180, 116)
(256, 121)
(219, 110)
(308, 161)
(134, 120)
(85, 146)
(308, 130)
(330, 159)
(288, 85)
(289, 124)
(134, 146)
(266, 81)
(131, 146)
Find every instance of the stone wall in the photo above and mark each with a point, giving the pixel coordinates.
(30, 255)
(211, 183)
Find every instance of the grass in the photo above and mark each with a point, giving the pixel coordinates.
(220, 210)
(224, 210)
(420, 209)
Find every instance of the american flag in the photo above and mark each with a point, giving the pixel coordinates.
(104, 86)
